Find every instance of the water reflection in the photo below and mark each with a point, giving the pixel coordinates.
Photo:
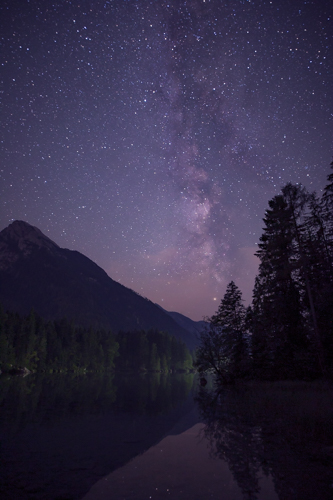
(134, 437)
(282, 430)
(61, 433)
(179, 467)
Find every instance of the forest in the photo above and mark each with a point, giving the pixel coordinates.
(60, 346)
(287, 331)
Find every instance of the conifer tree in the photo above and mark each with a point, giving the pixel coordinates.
(224, 345)
(325, 305)
(278, 330)
(231, 312)
(327, 203)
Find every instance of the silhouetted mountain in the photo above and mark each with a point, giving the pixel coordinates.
(36, 273)
(194, 327)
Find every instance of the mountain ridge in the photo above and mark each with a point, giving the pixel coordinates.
(37, 273)
(195, 327)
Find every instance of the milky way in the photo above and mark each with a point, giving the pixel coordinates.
(151, 135)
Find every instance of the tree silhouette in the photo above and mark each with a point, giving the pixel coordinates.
(224, 347)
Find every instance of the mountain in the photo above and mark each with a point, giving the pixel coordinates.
(194, 327)
(36, 273)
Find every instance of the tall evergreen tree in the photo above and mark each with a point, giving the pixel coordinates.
(231, 316)
(327, 203)
(224, 347)
(314, 261)
(278, 329)
(325, 304)
(231, 312)
(318, 245)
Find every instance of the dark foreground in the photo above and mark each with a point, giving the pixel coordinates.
(122, 437)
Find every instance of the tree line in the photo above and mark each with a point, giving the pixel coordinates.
(153, 351)
(287, 332)
(60, 345)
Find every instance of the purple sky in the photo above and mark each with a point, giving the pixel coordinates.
(151, 135)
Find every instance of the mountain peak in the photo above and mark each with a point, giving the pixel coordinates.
(21, 236)
(24, 233)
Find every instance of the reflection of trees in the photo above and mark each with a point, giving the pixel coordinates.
(45, 397)
(153, 393)
(61, 433)
(41, 397)
(285, 430)
(231, 437)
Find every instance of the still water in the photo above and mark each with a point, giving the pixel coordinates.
(154, 436)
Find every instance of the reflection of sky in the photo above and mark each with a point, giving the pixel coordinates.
(178, 467)
(150, 136)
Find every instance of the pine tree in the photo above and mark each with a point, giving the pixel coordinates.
(278, 329)
(325, 304)
(231, 312)
(224, 346)
(230, 317)
(317, 248)
(327, 204)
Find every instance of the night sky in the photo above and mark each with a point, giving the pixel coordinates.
(150, 135)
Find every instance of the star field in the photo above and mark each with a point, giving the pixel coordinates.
(151, 135)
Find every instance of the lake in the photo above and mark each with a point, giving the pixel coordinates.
(155, 436)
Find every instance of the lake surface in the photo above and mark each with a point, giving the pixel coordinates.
(154, 436)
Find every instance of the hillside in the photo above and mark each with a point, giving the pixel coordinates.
(36, 273)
